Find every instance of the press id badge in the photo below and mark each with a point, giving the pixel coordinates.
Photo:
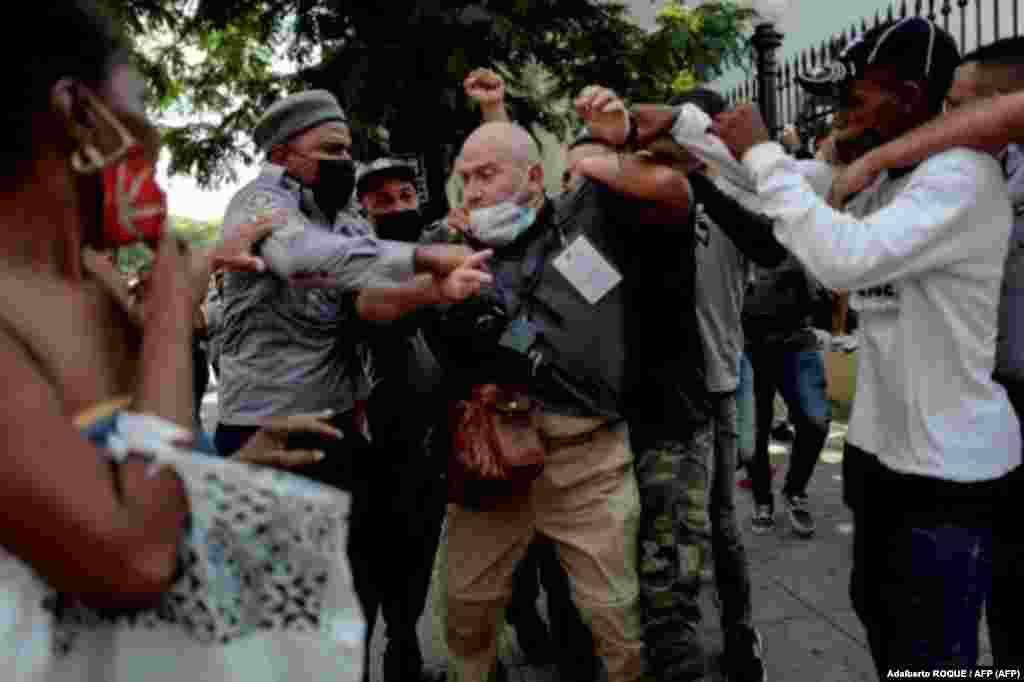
(587, 270)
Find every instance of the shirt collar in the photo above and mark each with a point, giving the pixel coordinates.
(272, 171)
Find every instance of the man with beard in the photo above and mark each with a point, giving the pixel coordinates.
(994, 70)
(408, 500)
(932, 435)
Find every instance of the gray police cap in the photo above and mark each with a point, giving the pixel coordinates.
(295, 114)
(384, 167)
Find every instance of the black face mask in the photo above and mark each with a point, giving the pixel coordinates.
(400, 226)
(334, 184)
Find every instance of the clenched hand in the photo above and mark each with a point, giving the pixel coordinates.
(267, 447)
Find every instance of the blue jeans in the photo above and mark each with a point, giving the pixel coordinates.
(799, 375)
(918, 580)
(746, 425)
(1007, 599)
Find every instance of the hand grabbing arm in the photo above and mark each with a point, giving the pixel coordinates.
(386, 304)
(639, 178)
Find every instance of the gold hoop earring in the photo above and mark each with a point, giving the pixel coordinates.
(87, 159)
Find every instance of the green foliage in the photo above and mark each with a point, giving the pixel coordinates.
(704, 40)
(215, 65)
(198, 234)
(195, 232)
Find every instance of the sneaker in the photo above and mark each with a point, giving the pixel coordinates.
(743, 658)
(763, 520)
(800, 518)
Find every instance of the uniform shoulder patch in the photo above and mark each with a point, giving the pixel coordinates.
(264, 202)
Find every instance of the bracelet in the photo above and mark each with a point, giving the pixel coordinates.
(91, 415)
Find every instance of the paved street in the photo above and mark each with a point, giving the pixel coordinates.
(800, 595)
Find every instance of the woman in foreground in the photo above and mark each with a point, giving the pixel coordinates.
(123, 555)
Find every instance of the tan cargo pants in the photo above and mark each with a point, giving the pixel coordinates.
(587, 502)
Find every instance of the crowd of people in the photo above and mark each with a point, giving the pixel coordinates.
(565, 384)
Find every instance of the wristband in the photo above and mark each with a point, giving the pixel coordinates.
(92, 416)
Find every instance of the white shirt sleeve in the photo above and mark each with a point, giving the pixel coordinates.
(690, 131)
(923, 228)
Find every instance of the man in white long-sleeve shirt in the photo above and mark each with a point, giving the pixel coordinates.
(932, 435)
(982, 77)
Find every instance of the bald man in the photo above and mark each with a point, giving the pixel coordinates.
(553, 327)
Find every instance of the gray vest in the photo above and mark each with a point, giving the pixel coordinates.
(575, 359)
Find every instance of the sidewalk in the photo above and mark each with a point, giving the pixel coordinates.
(800, 591)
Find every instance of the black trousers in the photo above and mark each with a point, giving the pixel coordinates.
(407, 500)
(800, 376)
(571, 643)
(1006, 602)
(922, 563)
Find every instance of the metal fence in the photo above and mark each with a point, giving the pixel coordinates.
(973, 23)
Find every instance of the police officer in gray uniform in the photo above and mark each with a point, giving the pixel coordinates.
(284, 349)
(288, 348)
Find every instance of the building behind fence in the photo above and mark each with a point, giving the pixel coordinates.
(973, 23)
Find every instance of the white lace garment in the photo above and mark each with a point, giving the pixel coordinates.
(265, 594)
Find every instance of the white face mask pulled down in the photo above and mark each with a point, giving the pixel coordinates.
(503, 223)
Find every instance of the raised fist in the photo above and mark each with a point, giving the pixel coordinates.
(486, 87)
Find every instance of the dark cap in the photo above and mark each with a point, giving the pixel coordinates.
(296, 114)
(912, 48)
(384, 167)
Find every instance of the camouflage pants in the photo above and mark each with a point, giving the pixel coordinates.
(674, 527)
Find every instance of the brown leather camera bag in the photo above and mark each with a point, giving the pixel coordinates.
(497, 450)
